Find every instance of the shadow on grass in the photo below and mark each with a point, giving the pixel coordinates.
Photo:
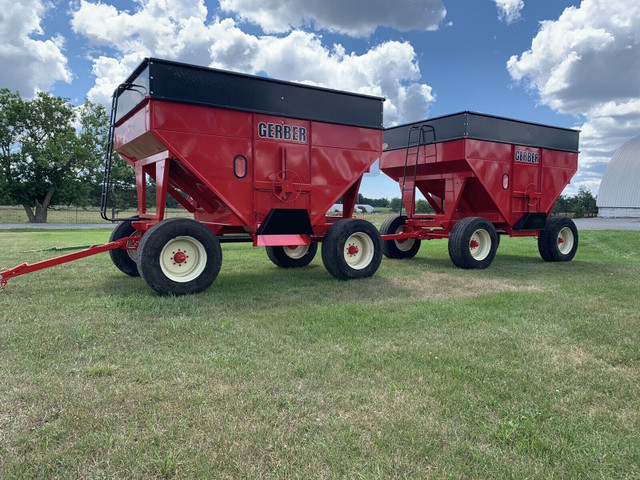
(419, 280)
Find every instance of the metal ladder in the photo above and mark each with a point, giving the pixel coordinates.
(106, 180)
(408, 188)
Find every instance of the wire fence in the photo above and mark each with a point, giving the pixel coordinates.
(72, 214)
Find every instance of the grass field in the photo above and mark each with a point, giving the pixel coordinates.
(526, 370)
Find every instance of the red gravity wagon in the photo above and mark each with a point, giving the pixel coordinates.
(253, 159)
(483, 176)
(263, 161)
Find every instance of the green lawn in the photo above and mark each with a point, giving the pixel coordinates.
(525, 370)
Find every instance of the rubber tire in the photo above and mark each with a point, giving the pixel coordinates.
(278, 255)
(154, 240)
(390, 248)
(460, 238)
(548, 240)
(334, 243)
(124, 259)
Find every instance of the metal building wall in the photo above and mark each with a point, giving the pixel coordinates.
(619, 194)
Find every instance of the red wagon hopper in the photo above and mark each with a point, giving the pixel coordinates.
(253, 159)
(483, 176)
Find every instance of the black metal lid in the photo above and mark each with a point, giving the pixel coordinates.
(180, 82)
(492, 128)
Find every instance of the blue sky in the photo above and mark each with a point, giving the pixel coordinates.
(565, 63)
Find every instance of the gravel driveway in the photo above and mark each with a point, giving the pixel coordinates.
(599, 223)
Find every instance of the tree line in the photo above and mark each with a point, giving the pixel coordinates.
(422, 206)
(52, 153)
(583, 204)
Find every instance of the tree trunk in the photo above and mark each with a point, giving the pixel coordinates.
(30, 215)
(41, 213)
(42, 209)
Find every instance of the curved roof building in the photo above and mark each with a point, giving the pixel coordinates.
(619, 194)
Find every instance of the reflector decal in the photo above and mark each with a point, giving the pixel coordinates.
(240, 166)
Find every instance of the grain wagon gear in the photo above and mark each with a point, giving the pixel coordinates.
(262, 161)
(484, 176)
(252, 159)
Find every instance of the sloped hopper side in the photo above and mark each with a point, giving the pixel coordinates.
(241, 146)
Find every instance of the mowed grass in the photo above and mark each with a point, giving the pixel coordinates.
(524, 370)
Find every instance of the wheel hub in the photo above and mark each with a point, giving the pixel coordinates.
(295, 251)
(179, 257)
(183, 259)
(565, 240)
(480, 244)
(358, 250)
(404, 244)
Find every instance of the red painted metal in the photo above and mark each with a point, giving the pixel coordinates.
(24, 268)
(468, 177)
(194, 149)
(180, 257)
(232, 167)
(279, 240)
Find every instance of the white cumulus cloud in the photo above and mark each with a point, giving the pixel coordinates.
(30, 61)
(358, 18)
(509, 10)
(161, 30)
(587, 63)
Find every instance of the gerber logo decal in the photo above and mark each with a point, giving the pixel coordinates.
(282, 132)
(527, 157)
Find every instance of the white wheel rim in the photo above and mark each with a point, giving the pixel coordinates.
(358, 250)
(183, 259)
(295, 252)
(565, 240)
(480, 244)
(133, 254)
(406, 244)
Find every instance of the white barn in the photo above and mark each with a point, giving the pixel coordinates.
(619, 194)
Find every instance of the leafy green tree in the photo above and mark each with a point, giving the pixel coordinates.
(49, 151)
(395, 204)
(10, 131)
(564, 205)
(122, 191)
(422, 206)
(374, 202)
(585, 198)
